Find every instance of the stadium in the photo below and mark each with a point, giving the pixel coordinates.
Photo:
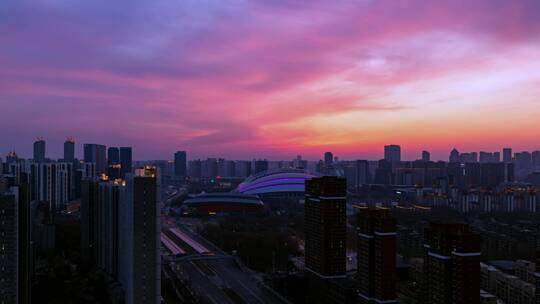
(282, 184)
(219, 203)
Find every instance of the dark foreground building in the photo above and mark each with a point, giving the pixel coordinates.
(376, 256)
(325, 249)
(15, 246)
(451, 264)
(537, 273)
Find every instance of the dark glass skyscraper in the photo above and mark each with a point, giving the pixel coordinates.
(94, 153)
(126, 160)
(69, 150)
(180, 164)
(39, 150)
(113, 156)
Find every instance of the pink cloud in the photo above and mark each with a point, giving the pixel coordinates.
(206, 76)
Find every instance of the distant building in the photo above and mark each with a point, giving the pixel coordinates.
(139, 247)
(506, 287)
(261, 165)
(69, 150)
(489, 157)
(39, 150)
(535, 159)
(392, 153)
(226, 168)
(209, 168)
(328, 158)
(300, 163)
(426, 156)
(507, 155)
(451, 264)
(126, 160)
(242, 168)
(454, 156)
(88, 170)
(465, 158)
(94, 153)
(113, 156)
(376, 256)
(52, 183)
(195, 168)
(356, 173)
(180, 164)
(523, 160)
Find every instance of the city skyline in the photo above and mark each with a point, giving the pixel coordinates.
(271, 78)
(78, 152)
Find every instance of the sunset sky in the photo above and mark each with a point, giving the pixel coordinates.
(244, 79)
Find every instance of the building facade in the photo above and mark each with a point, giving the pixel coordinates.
(376, 256)
(451, 264)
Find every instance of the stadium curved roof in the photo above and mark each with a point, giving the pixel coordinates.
(283, 180)
(223, 198)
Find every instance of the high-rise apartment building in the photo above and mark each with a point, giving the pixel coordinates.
(195, 168)
(113, 156)
(15, 246)
(261, 165)
(94, 153)
(454, 156)
(328, 158)
(325, 226)
(426, 156)
(89, 197)
(507, 155)
(451, 264)
(126, 160)
(535, 158)
(107, 234)
(376, 256)
(9, 249)
(39, 150)
(180, 164)
(392, 153)
(52, 183)
(325, 238)
(139, 266)
(242, 168)
(69, 150)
